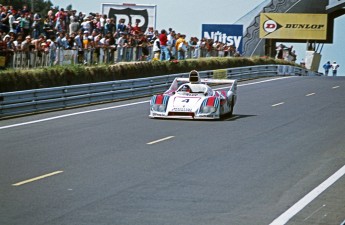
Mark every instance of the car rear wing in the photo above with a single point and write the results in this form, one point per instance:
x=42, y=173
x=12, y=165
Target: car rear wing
x=232, y=83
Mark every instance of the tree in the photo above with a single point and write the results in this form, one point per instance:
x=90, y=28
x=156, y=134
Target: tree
x=40, y=6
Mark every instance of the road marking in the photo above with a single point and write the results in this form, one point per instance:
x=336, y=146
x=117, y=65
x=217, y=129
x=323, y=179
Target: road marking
x=264, y=81
x=335, y=87
x=112, y=107
x=37, y=178
x=298, y=206
x=316, y=211
x=280, y=103
x=71, y=114
x=160, y=140
x=311, y=94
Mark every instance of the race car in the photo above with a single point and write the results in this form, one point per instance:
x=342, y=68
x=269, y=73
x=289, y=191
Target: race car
x=193, y=98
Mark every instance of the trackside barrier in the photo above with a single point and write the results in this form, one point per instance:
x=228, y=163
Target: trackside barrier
x=37, y=100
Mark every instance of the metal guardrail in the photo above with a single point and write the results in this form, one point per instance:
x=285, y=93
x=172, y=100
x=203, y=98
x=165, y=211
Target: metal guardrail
x=37, y=100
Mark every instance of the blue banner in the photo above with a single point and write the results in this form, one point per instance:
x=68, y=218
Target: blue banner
x=230, y=34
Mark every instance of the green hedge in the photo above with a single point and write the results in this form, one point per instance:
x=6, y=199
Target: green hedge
x=16, y=80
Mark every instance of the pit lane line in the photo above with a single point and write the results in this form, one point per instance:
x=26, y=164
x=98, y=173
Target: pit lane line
x=115, y=107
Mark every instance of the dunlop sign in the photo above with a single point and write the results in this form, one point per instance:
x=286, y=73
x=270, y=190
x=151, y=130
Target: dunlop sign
x=293, y=26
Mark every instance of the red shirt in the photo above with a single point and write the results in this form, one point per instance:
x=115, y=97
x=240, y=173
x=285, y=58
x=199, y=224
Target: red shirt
x=163, y=38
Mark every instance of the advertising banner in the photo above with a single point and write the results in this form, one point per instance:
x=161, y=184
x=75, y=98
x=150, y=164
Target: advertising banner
x=230, y=34
x=146, y=14
x=294, y=26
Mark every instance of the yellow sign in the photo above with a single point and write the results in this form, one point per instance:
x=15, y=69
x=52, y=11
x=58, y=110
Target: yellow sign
x=220, y=74
x=293, y=26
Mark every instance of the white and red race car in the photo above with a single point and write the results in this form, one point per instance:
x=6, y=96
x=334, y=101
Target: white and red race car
x=193, y=98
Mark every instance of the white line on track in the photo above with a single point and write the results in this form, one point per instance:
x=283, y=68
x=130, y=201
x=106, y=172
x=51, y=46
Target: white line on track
x=160, y=140
x=310, y=94
x=278, y=104
x=37, y=178
x=298, y=206
x=71, y=114
x=112, y=107
x=335, y=87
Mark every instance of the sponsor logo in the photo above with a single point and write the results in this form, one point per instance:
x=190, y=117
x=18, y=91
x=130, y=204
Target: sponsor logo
x=293, y=26
x=181, y=110
x=158, y=114
x=131, y=15
x=223, y=37
x=209, y=116
x=270, y=26
x=305, y=26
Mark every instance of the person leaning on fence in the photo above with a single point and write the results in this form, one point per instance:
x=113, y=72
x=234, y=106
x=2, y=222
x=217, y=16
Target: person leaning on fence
x=326, y=67
x=25, y=47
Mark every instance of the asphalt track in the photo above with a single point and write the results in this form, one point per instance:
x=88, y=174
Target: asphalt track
x=279, y=159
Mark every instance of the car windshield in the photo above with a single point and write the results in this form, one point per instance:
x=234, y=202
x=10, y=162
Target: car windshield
x=193, y=88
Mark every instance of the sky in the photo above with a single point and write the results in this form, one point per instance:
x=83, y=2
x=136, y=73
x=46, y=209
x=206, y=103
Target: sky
x=187, y=16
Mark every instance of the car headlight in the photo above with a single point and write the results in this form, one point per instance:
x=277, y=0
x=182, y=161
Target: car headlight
x=158, y=108
x=208, y=109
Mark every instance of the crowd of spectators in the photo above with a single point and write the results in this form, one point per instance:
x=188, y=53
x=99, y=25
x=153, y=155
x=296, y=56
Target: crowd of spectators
x=22, y=30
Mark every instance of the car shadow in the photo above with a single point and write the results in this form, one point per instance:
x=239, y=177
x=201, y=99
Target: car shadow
x=234, y=117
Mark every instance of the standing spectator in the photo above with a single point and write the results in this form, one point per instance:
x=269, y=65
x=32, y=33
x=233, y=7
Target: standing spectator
x=326, y=67
x=59, y=25
x=156, y=48
x=11, y=20
x=60, y=46
x=73, y=26
x=61, y=16
x=193, y=46
x=86, y=47
x=150, y=34
x=48, y=26
x=171, y=42
x=129, y=28
x=25, y=9
x=121, y=44
x=86, y=25
x=36, y=25
x=52, y=50
x=25, y=24
x=78, y=42
x=335, y=67
x=144, y=45
x=181, y=47
x=121, y=27
x=163, y=39
x=4, y=23
x=102, y=21
x=108, y=27
x=136, y=29
x=220, y=48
